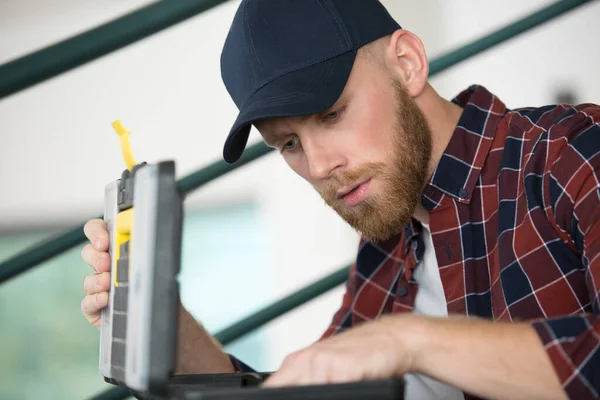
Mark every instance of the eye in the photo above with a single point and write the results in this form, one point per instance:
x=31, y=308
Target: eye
x=333, y=115
x=290, y=144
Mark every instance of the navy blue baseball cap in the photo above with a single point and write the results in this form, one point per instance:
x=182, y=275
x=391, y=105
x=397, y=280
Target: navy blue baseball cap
x=293, y=57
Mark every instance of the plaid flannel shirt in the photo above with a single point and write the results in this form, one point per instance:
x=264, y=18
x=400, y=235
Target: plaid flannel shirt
x=514, y=208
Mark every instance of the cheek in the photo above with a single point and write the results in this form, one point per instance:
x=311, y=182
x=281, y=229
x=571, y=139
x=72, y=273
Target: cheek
x=373, y=130
x=372, y=142
x=298, y=163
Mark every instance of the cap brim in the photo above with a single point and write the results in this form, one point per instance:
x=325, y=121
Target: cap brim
x=303, y=92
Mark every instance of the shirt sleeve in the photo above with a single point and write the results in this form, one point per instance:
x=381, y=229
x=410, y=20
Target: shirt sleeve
x=573, y=342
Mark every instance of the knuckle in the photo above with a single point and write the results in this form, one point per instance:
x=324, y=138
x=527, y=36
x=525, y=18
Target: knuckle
x=104, y=281
x=88, y=228
x=103, y=262
x=318, y=358
x=97, y=257
x=294, y=356
x=301, y=357
x=94, y=222
x=85, y=305
x=89, y=255
x=290, y=359
x=84, y=252
x=90, y=284
x=94, y=228
x=101, y=300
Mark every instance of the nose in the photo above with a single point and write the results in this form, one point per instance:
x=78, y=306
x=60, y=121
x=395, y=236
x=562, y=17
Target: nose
x=322, y=159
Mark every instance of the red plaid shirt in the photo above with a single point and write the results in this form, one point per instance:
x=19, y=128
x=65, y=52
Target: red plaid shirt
x=514, y=208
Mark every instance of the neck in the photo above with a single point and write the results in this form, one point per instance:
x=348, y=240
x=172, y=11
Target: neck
x=421, y=214
x=442, y=117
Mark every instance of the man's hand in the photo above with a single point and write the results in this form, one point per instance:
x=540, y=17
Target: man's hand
x=500, y=360
x=96, y=285
x=373, y=350
x=197, y=352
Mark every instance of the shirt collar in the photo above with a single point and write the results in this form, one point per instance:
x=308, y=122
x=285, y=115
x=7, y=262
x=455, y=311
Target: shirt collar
x=460, y=165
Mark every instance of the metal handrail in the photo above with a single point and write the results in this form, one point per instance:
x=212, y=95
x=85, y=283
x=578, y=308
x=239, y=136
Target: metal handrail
x=71, y=53
x=518, y=27
x=47, y=249
x=51, y=247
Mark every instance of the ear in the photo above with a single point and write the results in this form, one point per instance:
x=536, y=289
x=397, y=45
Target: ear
x=407, y=60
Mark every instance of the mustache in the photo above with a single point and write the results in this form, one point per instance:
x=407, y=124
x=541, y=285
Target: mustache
x=329, y=188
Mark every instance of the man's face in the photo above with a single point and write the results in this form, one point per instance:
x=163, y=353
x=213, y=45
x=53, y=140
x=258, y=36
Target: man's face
x=367, y=156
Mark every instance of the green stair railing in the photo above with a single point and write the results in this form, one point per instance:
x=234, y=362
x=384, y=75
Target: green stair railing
x=32, y=256
x=54, y=60
x=44, y=64
x=51, y=247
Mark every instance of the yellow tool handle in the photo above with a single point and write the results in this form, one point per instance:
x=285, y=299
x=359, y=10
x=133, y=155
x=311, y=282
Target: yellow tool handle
x=125, y=145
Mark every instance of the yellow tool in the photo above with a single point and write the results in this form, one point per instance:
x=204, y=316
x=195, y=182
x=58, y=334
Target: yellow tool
x=124, y=220
x=143, y=212
x=125, y=145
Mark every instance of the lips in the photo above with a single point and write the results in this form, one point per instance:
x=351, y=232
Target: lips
x=353, y=195
x=348, y=189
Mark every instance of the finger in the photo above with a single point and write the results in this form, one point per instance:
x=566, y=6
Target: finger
x=89, y=255
x=96, y=283
x=279, y=379
x=92, y=304
x=102, y=263
x=99, y=261
x=95, y=230
x=286, y=376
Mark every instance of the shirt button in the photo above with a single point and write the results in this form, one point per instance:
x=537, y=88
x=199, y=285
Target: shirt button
x=462, y=193
x=402, y=290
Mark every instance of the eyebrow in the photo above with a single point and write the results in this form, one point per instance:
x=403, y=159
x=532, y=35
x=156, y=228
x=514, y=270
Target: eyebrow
x=270, y=139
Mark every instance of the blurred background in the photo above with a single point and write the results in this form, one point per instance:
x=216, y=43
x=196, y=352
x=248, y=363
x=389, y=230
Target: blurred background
x=251, y=237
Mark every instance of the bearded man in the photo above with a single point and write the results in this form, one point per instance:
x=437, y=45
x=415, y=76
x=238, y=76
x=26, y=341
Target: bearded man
x=478, y=269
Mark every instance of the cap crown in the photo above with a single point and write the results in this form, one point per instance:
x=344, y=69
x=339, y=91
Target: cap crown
x=270, y=38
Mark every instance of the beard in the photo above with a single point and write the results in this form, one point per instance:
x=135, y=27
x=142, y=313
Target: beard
x=401, y=177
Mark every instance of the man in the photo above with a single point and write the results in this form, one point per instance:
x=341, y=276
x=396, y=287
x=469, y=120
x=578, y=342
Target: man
x=478, y=270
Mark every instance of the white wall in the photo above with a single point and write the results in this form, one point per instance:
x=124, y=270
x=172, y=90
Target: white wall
x=57, y=149
x=532, y=68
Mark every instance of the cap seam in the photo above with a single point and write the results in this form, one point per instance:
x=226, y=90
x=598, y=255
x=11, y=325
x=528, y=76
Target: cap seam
x=337, y=31
x=302, y=93
x=296, y=69
x=337, y=19
x=263, y=106
x=299, y=93
x=248, y=38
